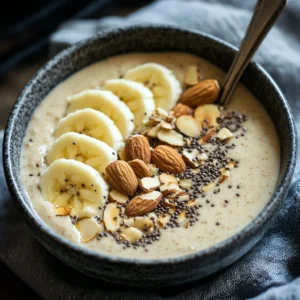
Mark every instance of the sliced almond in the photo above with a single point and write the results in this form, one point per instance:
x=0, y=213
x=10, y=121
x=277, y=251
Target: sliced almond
x=137, y=147
x=171, y=119
x=176, y=194
x=195, y=171
x=159, y=112
x=191, y=203
x=153, y=169
x=204, y=92
x=181, y=192
x=111, y=217
x=170, y=137
x=162, y=221
x=152, y=132
x=172, y=196
x=207, y=136
x=202, y=156
x=140, y=168
x=186, y=183
x=184, y=197
x=169, y=188
x=208, y=187
x=131, y=234
x=190, y=157
x=181, y=217
x=167, y=178
x=153, y=121
x=171, y=210
x=188, y=126
x=88, y=229
x=116, y=196
x=122, y=154
x=152, y=216
x=231, y=165
x=169, y=203
x=224, y=176
x=224, y=134
x=62, y=211
x=141, y=223
x=191, y=76
x=168, y=160
x=143, y=203
x=149, y=184
x=182, y=110
x=207, y=115
x=165, y=125
x=188, y=142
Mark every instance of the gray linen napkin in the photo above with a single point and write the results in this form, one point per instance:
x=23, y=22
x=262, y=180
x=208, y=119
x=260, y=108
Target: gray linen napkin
x=273, y=265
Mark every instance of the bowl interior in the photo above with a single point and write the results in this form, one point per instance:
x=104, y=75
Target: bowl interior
x=130, y=40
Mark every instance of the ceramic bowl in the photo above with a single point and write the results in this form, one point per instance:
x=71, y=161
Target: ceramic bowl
x=139, y=272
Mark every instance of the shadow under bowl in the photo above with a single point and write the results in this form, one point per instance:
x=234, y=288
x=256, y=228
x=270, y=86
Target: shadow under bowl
x=139, y=272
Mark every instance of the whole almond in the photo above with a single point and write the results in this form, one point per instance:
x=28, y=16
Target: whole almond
x=137, y=147
x=140, y=169
x=168, y=160
x=143, y=203
x=182, y=110
x=121, y=176
x=204, y=92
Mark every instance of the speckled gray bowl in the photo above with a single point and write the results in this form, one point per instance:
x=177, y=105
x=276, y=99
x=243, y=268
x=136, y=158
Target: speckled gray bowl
x=139, y=272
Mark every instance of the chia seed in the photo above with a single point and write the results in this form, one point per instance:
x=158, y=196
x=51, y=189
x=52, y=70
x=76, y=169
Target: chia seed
x=208, y=171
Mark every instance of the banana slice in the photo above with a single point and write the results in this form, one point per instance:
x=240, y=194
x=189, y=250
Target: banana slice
x=73, y=184
x=138, y=98
x=160, y=80
x=93, y=123
x=109, y=104
x=83, y=148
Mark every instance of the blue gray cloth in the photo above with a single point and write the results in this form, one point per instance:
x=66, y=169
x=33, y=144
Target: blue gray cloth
x=271, y=269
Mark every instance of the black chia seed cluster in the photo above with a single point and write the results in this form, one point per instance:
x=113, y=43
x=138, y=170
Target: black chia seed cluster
x=185, y=211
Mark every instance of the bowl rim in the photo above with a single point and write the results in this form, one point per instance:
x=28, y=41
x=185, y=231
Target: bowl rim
x=32, y=216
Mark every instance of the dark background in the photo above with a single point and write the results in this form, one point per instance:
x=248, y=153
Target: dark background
x=25, y=27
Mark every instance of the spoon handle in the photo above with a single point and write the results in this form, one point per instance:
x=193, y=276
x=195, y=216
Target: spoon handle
x=265, y=15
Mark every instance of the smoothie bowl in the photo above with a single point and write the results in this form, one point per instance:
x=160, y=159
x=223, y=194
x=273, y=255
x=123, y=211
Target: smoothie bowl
x=129, y=171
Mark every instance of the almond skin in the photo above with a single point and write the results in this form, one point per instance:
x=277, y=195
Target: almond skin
x=121, y=176
x=137, y=147
x=207, y=136
x=204, y=92
x=139, y=206
x=168, y=160
x=140, y=169
x=182, y=110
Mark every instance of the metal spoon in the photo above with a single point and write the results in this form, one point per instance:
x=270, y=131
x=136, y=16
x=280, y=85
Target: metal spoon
x=264, y=17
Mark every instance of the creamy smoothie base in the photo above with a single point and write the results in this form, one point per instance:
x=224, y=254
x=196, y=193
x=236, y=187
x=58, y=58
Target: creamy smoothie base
x=221, y=212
